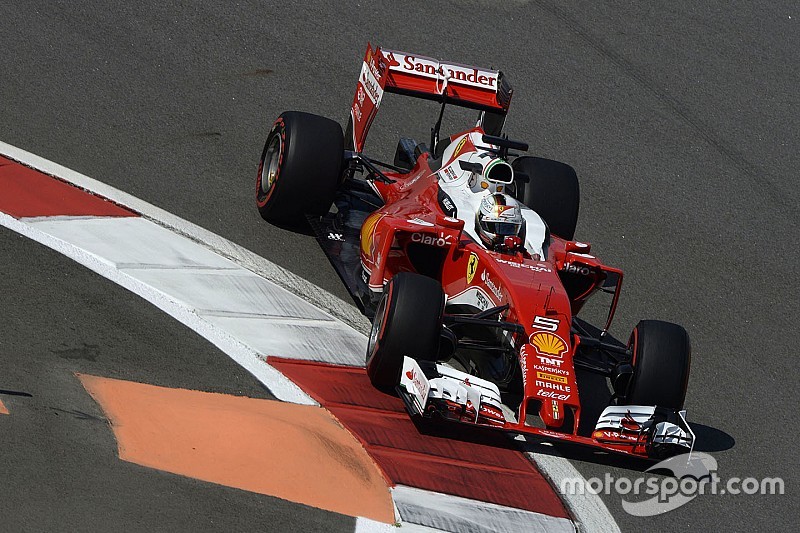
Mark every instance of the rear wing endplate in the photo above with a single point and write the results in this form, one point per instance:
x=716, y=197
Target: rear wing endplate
x=422, y=77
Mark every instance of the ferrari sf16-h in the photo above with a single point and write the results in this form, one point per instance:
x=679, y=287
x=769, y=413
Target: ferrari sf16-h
x=462, y=252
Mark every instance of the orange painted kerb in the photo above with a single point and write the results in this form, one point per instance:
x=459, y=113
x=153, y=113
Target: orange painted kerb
x=295, y=452
x=3, y=410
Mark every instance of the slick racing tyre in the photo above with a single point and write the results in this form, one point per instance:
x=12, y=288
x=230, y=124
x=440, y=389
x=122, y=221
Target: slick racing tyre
x=299, y=168
x=661, y=359
x=408, y=322
x=552, y=191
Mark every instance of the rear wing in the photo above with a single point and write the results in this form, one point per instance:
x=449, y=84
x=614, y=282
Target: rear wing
x=423, y=77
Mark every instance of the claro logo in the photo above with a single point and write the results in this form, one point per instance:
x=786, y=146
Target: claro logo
x=431, y=240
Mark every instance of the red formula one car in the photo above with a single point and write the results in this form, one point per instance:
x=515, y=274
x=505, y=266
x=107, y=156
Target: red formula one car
x=462, y=252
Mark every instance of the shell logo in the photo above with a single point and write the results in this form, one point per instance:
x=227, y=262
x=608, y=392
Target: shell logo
x=548, y=344
x=368, y=232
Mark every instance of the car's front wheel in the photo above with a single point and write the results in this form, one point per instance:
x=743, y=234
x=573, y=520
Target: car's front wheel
x=299, y=169
x=408, y=322
x=661, y=359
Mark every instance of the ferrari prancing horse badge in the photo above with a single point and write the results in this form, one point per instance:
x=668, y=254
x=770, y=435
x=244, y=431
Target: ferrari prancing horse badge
x=472, y=266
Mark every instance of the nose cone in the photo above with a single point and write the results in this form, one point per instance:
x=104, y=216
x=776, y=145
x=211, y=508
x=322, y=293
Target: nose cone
x=552, y=413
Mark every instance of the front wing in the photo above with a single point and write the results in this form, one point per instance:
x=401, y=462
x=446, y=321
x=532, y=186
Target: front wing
x=441, y=391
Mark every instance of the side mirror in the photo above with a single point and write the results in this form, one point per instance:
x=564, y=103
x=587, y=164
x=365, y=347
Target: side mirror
x=455, y=225
x=577, y=246
x=450, y=222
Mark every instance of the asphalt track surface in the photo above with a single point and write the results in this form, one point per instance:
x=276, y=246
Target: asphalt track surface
x=60, y=467
x=681, y=120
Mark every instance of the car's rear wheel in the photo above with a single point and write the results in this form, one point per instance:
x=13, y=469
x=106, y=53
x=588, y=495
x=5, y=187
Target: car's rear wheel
x=408, y=322
x=552, y=191
x=300, y=166
x=661, y=359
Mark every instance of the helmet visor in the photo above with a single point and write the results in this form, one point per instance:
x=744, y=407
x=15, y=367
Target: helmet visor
x=502, y=228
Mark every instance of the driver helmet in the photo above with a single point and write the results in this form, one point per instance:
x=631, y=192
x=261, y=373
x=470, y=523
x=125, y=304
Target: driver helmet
x=499, y=216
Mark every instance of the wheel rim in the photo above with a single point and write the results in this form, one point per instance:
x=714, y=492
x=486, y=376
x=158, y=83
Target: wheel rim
x=272, y=159
x=377, y=327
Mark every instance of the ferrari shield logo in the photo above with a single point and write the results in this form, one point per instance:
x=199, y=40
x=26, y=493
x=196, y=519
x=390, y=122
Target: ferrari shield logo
x=472, y=266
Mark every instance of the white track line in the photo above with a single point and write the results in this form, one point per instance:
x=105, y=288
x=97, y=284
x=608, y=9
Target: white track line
x=589, y=511
x=365, y=525
x=454, y=513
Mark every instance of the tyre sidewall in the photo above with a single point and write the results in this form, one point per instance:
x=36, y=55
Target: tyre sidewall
x=309, y=169
x=412, y=326
x=661, y=362
x=262, y=199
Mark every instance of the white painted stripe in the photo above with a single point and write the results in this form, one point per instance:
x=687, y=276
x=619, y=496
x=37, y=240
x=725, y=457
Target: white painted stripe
x=589, y=511
x=365, y=525
x=59, y=217
x=317, y=296
x=453, y=513
x=310, y=322
x=408, y=527
x=150, y=266
x=130, y=241
x=228, y=296
x=294, y=340
x=249, y=359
